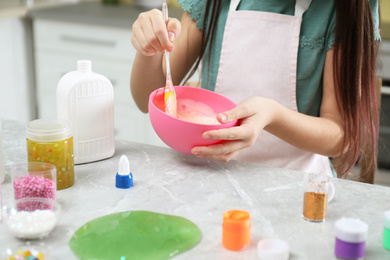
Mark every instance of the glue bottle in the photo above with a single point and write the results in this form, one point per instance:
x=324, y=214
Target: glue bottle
x=86, y=99
x=124, y=178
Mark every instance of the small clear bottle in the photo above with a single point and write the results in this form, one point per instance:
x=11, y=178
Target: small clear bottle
x=351, y=235
x=316, y=187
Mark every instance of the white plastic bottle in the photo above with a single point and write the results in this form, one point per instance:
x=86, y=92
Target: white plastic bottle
x=87, y=100
x=2, y=168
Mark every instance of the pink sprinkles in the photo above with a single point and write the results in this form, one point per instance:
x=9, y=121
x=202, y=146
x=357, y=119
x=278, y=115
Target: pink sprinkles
x=34, y=186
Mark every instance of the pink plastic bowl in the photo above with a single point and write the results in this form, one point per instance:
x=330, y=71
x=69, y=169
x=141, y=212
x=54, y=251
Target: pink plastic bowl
x=183, y=135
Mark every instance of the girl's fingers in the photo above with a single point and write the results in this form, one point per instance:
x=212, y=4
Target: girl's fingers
x=218, y=149
x=160, y=39
x=150, y=33
x=221, y=152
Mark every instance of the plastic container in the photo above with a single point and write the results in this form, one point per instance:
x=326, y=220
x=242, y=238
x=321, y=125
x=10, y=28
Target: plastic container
x=386, y=230
x=236, y=229
x=31, y=218
x=86, y=99
x=351, y=235
x=2, y=170
x=51, y=141
x=316, y=187
x=124, y=178
x=34, y=180
x=273, y=249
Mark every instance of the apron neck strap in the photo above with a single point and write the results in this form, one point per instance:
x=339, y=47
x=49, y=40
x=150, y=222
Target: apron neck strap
x=234, y=5
x=300, y=6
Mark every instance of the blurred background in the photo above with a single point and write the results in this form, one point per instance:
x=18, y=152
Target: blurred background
x=41, y=40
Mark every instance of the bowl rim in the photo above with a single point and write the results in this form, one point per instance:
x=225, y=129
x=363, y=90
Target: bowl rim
x=151, y=103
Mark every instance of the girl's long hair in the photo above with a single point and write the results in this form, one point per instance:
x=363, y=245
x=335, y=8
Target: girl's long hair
x=354, y=58
x=355, y=54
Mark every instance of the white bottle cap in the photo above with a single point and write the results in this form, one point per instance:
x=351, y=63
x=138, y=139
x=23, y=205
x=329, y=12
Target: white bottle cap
x=84, y=66
x=124, y=166
x=387, y=219
x=273, y=249
x=352, y=230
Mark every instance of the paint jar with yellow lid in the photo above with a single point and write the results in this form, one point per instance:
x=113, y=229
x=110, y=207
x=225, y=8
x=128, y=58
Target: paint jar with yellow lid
x=51, y=141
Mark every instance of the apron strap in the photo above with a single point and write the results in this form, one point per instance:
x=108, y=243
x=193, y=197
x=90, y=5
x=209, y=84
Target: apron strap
x=234, y=5
x=300, y=6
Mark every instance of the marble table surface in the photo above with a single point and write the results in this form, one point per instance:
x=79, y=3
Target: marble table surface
x=200, y=190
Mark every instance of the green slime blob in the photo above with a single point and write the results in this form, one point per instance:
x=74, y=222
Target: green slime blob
x=135, y=235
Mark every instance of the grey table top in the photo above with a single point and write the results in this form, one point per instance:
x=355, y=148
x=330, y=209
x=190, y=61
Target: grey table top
x=200, y=190
x=95, y=13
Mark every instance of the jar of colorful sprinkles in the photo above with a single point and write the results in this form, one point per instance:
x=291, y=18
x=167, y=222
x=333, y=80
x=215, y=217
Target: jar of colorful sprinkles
x=51, y=141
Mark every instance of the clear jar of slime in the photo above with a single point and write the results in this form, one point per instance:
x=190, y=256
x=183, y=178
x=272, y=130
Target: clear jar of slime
x=51, y=141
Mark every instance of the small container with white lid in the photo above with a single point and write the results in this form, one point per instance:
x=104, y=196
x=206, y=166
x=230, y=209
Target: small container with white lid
x=386, y=231
x=351, y=235
x=273, y=249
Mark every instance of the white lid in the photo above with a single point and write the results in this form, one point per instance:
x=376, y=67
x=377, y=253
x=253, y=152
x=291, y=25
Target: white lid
x=351, y=230
x=387, y=219
x=124, y=166
x=49, y=130
x=273, y=249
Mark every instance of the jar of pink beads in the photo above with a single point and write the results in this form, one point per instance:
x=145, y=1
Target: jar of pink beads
x=34, y=180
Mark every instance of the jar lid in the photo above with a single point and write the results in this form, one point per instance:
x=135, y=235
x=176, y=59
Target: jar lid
x=48, y=130
x=387, y=219
x=352, y=230
x=273, y=249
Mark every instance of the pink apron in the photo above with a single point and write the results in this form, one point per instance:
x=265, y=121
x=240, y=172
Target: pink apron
x=259, y=58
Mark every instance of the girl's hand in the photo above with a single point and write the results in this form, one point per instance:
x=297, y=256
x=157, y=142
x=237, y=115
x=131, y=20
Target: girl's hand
x=151, y=35
x=253, y=114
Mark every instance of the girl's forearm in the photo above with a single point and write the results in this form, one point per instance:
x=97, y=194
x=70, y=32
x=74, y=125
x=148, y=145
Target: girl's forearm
x=322, y=135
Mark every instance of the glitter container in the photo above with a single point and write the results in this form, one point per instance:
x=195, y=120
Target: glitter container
x=31, y=218
x=34, y=179
x=386, y=230
x=51, y=141
x=236, y=229
x=316, y=188
x=351, y=235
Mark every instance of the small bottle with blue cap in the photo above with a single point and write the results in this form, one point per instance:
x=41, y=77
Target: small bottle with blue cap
x=124, y=178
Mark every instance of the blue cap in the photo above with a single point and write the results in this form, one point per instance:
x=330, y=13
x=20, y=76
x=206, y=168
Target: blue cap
x=124, y=178
x=124, y=181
